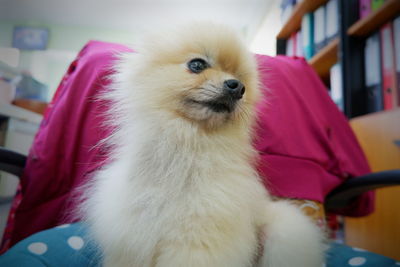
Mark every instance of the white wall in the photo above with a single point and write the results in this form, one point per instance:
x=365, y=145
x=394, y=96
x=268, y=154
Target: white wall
x=48, y=66
x=265, y=39
x=65, y=41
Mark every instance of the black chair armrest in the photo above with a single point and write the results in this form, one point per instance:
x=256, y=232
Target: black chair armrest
x=12, y=162
x=344, y=194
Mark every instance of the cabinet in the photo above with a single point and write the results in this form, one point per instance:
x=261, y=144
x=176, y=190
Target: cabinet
x=17, y=130
x=378, y=133
x=347, y=48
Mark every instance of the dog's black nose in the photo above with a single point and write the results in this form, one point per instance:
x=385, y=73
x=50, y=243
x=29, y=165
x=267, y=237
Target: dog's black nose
x=235, y=88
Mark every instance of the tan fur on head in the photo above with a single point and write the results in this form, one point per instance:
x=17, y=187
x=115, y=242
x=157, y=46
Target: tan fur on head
x=167, y=83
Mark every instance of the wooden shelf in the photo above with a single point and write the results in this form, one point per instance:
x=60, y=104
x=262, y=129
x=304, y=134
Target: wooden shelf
x=364, y=27
x=294, y=22
x=325, y=59
x=32, y=105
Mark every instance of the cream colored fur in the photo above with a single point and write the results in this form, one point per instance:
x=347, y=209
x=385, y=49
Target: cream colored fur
x=181, y=189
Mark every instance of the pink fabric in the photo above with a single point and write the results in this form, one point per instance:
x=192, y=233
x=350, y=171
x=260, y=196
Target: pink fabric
x=64, y=151
x=305, y=143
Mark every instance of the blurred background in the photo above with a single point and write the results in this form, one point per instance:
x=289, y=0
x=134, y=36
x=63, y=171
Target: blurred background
x=68, y=25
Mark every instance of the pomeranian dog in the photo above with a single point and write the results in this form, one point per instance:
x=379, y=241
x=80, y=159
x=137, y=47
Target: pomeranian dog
x=181, y=189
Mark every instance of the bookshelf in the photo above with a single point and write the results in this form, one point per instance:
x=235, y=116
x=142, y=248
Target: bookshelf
x=293, y=23
x=347, y=49
x=378, y=132
x=325, y=59
x=375, y=131
x=375, y=20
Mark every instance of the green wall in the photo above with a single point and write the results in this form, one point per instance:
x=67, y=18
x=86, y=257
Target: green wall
x=67, y=37
x=64, y=43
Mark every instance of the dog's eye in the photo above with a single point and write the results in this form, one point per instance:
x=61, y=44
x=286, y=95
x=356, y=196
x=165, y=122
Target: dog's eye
x=197, y=65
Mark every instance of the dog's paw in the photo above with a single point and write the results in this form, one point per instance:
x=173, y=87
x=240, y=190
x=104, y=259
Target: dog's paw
x=291, y=238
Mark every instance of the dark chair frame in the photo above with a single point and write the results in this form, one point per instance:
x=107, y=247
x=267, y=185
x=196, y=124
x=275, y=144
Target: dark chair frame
x=13, y=163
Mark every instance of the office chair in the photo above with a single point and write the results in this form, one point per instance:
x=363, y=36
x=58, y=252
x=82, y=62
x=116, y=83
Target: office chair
x=307, y=151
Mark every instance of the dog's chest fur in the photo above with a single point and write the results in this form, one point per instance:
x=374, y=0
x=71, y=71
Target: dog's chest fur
x=177, y=188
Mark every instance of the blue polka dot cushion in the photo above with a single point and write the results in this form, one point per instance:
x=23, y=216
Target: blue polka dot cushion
x=68, y=245
x=64, y=245
x=341, y=256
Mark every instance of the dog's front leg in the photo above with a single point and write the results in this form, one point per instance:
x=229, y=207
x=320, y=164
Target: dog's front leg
x=291, y=238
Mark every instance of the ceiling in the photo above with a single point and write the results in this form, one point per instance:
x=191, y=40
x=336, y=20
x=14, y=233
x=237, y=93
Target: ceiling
x=245, y=15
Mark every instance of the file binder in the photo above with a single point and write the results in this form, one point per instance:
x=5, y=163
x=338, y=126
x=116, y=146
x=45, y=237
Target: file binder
x=307, y=29
x=373, y=74
x=388, y=66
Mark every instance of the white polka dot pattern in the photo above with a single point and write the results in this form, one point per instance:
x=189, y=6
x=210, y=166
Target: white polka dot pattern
x=63, y=225
x=357, y=261
x=75, y=242
x=359, y=249
x=37, y=248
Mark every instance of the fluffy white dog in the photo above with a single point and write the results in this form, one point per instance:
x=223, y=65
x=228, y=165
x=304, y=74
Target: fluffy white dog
x=181, y=189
